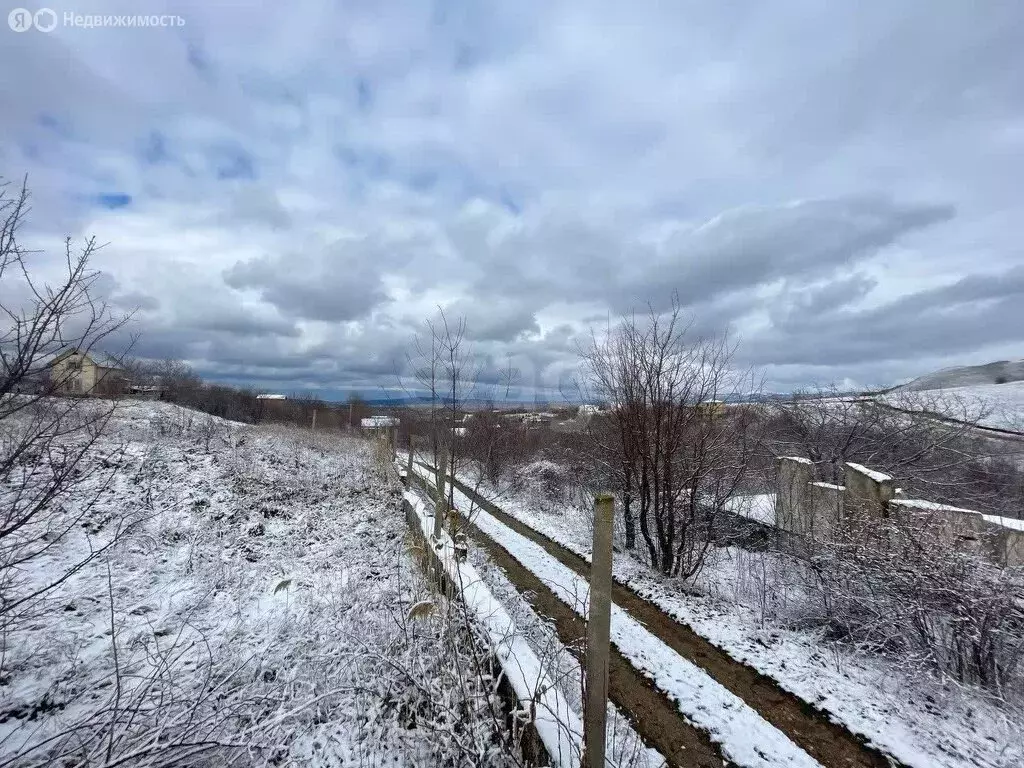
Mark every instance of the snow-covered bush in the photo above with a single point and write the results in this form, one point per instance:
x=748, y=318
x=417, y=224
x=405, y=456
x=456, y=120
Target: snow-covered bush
x=878, y=584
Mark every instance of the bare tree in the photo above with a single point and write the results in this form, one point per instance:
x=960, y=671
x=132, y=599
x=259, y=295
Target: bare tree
x=668, y=445
x=43, y=439
x=445, y=367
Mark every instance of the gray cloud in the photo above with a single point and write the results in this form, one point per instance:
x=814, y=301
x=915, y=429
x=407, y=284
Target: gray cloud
x=338, y=284
x=802, y=240
x=971, y=313
x=498, y=319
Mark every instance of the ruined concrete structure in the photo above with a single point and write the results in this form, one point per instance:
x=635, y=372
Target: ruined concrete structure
x=814, y=510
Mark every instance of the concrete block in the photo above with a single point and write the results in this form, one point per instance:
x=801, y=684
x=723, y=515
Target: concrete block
x=795, y=473
x=1015, y=548
x=1010, y=532
x=825, y=509
x=943, y=526
x=867, y=492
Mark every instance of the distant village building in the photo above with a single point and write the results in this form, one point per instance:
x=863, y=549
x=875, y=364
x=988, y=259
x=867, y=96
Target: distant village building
x=542, y=419
x=74, y=372
x=146, y=391
x=268, y=396
x=379, y=422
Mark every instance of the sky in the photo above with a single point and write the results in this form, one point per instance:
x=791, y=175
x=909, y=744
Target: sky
x=287, y=191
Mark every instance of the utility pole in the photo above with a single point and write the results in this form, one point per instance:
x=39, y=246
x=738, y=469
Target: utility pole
x=595, y=707
x=312, y=427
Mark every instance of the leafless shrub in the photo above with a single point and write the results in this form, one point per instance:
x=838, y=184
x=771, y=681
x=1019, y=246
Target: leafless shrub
x=908, y=589
x=668, y=445
x=45, y=498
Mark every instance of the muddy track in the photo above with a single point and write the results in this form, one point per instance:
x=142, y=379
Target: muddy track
x=653, y=715
x=830, y=744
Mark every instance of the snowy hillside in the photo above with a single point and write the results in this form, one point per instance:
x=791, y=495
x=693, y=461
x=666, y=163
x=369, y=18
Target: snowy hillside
x=259, y=597
x=991, y=405
x=1001, y=372
x=1003, y=404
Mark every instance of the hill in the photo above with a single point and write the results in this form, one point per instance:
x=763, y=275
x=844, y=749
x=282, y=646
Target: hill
x=1000, y=372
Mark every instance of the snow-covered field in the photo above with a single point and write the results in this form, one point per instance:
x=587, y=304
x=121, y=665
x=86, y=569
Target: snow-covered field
x=969, y=376
x=998, y=405
x=922, y=721
x=256, y=612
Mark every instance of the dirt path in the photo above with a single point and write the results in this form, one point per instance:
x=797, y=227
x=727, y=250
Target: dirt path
x=652, y=714
x=830, y=744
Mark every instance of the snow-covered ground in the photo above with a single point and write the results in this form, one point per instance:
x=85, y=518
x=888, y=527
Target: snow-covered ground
x=999, y=405
x=991, y=405
x=969, y=376
x=759, y=507
x=922, y=721
x=259, y=610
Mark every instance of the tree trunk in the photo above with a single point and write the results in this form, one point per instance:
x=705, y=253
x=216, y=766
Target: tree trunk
x=627, y=511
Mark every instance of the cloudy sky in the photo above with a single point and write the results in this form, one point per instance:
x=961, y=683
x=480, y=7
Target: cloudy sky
x=288, y=191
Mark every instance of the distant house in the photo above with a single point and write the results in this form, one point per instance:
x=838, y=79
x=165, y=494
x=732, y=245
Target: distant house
x=379, y=422
x=536, y=420
x=74, y=372
x=154, y=391
x=268, y=396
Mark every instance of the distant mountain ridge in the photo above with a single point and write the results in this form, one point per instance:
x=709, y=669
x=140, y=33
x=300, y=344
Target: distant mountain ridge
x=999, y=372
x=403, y=400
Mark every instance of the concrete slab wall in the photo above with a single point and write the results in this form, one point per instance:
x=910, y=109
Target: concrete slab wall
x=1011, y=532
x=944, y=525
x=867, y=492
x=795, y=474
x=825, y=508
x=814, y=510
x=1015, y=548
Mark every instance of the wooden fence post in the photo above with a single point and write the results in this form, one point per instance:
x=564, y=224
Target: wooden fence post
x=595, y=707
x=440, y=507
